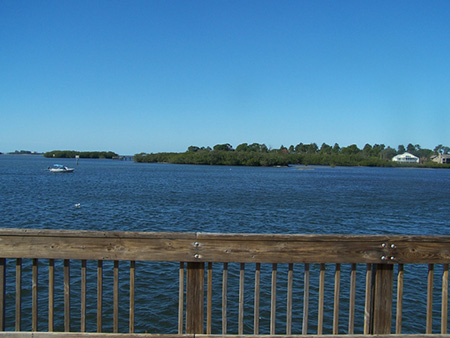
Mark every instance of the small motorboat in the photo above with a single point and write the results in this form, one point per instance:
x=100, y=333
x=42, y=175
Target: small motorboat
x=59, y=168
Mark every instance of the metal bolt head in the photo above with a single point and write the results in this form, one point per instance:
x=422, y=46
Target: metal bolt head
x=383, y=245
x=196, y=244
x=196, y=256
x=383, y=258
x=392, y=246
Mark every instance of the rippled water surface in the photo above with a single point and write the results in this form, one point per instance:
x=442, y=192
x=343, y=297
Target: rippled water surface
x=121, y=195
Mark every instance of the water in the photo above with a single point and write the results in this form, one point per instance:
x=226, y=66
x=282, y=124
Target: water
x=121, y=195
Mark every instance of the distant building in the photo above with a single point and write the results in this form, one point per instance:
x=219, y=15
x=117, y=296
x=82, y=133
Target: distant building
x=406, y=158
x=441, y=158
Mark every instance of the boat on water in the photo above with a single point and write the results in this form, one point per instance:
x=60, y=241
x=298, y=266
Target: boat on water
x=59, y=168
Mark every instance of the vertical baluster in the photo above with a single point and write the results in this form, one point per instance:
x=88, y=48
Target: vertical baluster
x=257, y=288
x=180, y=298
x=273, y=299
x=444, y=307
x=241, y=299
x=195, y=297
x=368, y=300
x=224, y=297
x=337, y=291
x=429, y=327
x=132, y=294
x=209, y=300
x=398, y=317
x=290, y=283
x=83, y=297
x=351, y=310
x=383, y=298
x=99, y=295
x=66, y=295
x=321, y=298
x=116, y=298
x=34, y=296
x=2, y=293
x=51, y=294
x=18, y=294
x=306, y=300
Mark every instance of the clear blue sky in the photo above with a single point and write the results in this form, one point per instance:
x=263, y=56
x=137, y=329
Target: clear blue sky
x=154, y=76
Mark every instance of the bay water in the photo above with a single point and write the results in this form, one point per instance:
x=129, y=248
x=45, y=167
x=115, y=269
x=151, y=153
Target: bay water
x=110, y=195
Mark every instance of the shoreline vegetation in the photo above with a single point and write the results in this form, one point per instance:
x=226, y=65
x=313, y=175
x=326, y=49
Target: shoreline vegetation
x=81, y=154
x=257, y=154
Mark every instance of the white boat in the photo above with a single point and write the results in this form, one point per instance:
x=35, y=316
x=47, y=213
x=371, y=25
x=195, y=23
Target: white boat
x=59, y=168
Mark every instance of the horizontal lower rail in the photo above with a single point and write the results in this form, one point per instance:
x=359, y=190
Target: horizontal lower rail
x=146, y=335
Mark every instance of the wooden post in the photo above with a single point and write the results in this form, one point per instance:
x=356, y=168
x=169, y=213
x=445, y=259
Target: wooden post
x=195, y=289
x=382, y=298
x=2, y=293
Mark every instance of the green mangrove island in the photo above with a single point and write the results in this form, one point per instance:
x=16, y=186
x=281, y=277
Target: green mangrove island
x=256, y=154
x=81, y=154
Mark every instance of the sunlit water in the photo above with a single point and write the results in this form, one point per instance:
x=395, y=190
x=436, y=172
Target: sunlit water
x=120, y=195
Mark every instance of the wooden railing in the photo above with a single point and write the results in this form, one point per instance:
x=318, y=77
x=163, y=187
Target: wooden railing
x=214, y=273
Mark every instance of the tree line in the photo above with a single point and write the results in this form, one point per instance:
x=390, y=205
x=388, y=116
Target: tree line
x=81, y=154
x=257, y=154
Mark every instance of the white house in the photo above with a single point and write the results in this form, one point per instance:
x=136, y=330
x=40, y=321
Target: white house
x=406, y=158
x=441, y=158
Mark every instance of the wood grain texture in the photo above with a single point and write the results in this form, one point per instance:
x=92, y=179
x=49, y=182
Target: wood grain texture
x=209, y=247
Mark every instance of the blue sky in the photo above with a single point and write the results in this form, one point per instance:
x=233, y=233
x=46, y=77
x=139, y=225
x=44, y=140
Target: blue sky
x=154, y=76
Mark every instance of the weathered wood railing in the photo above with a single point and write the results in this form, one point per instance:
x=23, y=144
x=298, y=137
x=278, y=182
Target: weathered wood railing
x=203, y=297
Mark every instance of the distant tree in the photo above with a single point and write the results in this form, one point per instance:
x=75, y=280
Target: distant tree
x=193, y=149
x=388, y=153
x=410, y=148
x=352, y=149
x=401, y=149
x=242, y=147
x=325, y=149
x=224, y=147
x=336, y=148
x=367, y=150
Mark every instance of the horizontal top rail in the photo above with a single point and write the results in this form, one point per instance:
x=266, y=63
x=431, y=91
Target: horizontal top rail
x=214, y=247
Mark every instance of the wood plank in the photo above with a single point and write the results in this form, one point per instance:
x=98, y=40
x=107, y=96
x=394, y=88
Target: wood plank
x=352, y=300
x=337, y=292
x=399, y=316
x=444, y=303
x=321, y=299
x=149, y=335
x=18, y=320
x=257, y=295
x=382, y=303
x=83, y=297
x=224, y=298
x=2, y=293
x=430, y=278
x=51, y=294
x=67, y=295
x=305, y=301
x=195, y=288
x=273, y=299
x=99, y=295
x=34, y=296
x=368, y=300
x=204, y=247
x=209, y=299
x=116, y=297
x=180, y=298
x=132, y=299
x=241, y=299
x=290, y=283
